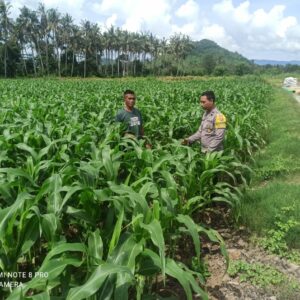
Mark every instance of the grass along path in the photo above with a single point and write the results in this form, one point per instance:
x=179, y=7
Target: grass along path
x=274, y=198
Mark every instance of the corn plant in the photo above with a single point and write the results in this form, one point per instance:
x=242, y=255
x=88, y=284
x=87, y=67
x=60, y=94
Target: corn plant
x=101, y=215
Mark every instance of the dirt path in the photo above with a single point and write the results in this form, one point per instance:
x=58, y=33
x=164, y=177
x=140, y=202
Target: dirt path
x=223, y=287
x=297, y=97
x=295, y=91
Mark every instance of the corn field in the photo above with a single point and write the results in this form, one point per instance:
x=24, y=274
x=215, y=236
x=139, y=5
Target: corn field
x=88, y=214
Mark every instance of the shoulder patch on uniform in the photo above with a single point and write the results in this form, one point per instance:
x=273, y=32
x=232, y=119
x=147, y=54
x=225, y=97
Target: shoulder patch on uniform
x=220, y=121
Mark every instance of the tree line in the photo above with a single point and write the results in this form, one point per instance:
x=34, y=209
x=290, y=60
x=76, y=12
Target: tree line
x=44, y=42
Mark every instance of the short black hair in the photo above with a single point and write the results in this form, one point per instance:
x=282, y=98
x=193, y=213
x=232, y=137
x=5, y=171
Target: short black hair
x=210, y=95
x=128, y=92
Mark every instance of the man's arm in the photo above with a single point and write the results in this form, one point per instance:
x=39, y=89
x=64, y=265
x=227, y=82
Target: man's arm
x=220, y=128
x=118, y=117
x=195, y=137
x=142, y=132
x=147, y=144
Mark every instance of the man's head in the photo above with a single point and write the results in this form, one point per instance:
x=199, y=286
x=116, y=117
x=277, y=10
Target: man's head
x=129, y=99
x=207, y=100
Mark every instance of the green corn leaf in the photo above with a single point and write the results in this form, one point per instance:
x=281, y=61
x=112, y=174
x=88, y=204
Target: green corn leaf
x=157, y=164
x=17, y=173
x=135, y=199
x=80, y=214
x=71, y=190
x=117, y=232
x=54, y=199
x=30, y=234
x=95, y=281
x=108, y=164
x=192, y=229
x=64, y=247
x=51, y=270
x=157, y=237
x=175, y=271
x=193, y=204
x=27, y=148
x=156, y=210
x=179, y=272
x=169, y=179
x=50, y=224
x=125, y=254
x=6, y=214
x=41, y=296
x=95, y=247
x=214, y=236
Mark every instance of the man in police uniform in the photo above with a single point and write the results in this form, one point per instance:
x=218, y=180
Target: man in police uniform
x=212, y=128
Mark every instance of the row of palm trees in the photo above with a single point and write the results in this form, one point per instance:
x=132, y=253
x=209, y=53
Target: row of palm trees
x=44, y=42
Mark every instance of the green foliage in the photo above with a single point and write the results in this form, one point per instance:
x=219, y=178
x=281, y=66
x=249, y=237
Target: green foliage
x=103, y=215
x=260, y=275
x=275, y=240
x=278, y=166
x=261, y=205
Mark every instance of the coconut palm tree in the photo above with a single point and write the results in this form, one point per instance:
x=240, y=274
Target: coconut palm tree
x=66, y=31
x=6, y=26
x=53, y=17
x=44, y=29
x=27, y=26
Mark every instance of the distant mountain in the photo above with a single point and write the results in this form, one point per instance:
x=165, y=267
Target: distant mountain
x=262, y=62
x=222, y=55
x=207, y=57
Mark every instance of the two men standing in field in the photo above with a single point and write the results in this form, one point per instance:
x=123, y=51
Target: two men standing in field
x=211, y=132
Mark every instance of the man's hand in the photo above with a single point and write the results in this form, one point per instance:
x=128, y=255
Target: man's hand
x=129, y=135
x=185, y=142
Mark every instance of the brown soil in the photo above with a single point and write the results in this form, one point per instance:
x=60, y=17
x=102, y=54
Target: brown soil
x=221, y=286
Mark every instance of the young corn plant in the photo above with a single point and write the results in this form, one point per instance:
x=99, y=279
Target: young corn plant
x=101, y=215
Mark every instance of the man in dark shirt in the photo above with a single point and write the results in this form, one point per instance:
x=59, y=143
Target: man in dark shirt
x=131, y=116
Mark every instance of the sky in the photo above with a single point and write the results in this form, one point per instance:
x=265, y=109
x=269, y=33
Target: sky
x=265, y=29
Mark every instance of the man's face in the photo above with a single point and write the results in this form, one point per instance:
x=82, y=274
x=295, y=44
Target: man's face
x=206, y=104
x=129, y=100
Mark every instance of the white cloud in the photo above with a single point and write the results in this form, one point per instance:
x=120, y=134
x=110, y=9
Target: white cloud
x=133, y=24
x=108, y=22
x=111, y=21
x=190, y=29
x=189, y=10
x=240, y=14
x=218, y=34
x=259, y=29
x=135, y=15
x=261, y=18
x=72, y=7
x=146, y=10
x=224, y=6
x=284, y=25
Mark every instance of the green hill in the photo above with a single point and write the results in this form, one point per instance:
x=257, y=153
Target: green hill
x=208, y=57
x=204, y=47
